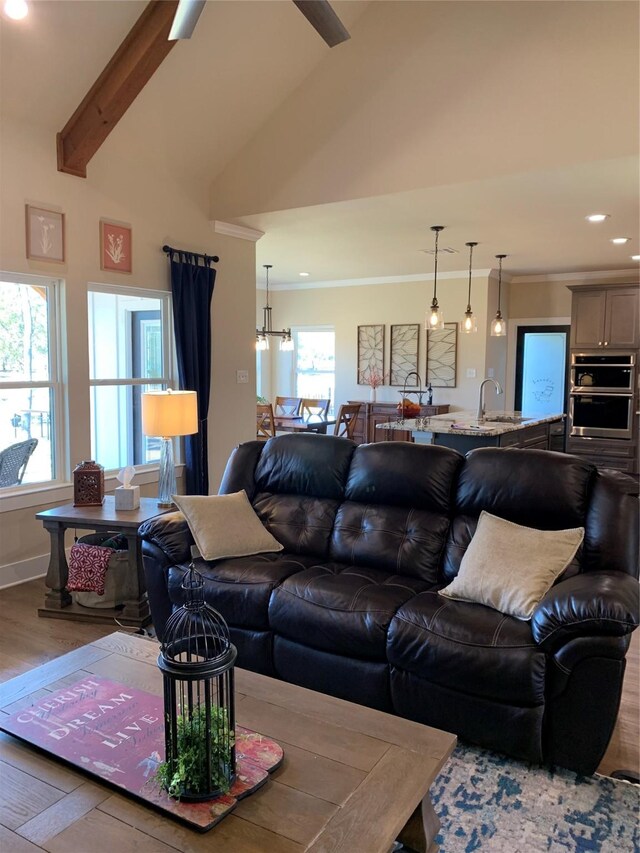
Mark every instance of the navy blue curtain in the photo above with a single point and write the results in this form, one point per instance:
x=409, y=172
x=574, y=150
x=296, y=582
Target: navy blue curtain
x=192, y=282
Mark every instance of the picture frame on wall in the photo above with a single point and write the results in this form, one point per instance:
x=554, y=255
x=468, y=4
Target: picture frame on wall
x=370, y=352
x=442, y=356
x=405, y=340
x=116, y=246
x=45, y=234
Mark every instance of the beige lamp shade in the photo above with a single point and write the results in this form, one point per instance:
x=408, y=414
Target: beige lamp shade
x=169, y=413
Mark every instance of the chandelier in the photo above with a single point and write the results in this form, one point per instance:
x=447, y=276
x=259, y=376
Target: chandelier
x=262, y=335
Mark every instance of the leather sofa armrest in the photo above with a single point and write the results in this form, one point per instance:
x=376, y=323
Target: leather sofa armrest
x=587, y=605
x=170, y=533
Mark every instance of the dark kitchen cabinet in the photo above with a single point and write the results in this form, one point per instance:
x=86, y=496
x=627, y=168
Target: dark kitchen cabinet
x=372, y=414
x=605, y=317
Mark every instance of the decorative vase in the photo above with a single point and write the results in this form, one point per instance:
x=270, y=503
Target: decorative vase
x=372, y=395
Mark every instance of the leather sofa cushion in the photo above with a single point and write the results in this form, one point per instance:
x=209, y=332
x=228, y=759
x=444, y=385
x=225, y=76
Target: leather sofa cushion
x=342, y=609
x=312, y=465
x=404, y=474
x=468, y=647
x=551, y=493
x=240, y=588
x=508, y=483
x=390, y=538
x=302, y=524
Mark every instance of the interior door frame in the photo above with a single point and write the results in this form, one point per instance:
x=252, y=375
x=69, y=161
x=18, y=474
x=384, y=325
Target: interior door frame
x=521, y=332
x=514, y=323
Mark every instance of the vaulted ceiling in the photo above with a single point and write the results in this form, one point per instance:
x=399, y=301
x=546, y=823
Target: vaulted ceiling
x=507, y=122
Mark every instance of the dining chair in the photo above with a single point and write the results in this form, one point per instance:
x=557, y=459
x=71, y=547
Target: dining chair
x=13, y=462
x=265, y=424
x=287, y=405
x=346, y=422
x=310, y=406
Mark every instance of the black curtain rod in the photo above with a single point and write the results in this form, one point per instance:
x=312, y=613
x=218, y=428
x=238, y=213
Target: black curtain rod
x=169, y=250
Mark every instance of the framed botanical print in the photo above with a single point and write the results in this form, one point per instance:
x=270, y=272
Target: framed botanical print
x=404, y=354
x=370, y=353
x=115, y=246
x=441, y=356
x=45, y=234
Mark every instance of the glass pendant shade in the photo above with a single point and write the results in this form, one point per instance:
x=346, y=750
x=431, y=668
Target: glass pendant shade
x=469, y=324
x=435, y=318
x=286, y=344
x=499, y=325
x=262, y=342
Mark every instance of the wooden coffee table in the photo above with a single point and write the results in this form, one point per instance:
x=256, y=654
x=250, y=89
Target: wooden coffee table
x=353, y=779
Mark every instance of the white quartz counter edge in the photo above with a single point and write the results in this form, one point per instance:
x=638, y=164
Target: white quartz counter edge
x=443, y=424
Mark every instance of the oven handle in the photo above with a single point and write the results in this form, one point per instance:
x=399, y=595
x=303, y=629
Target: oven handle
x=594, y=391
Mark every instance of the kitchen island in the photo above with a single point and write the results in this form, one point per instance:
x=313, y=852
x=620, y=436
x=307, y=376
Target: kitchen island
x=463, y=432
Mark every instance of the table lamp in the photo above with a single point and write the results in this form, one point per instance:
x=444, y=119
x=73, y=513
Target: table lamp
x=168, y=414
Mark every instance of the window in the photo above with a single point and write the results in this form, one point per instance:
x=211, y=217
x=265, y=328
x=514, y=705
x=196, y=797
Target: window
x=30, y=391
x=129, y=352
x=315, y=364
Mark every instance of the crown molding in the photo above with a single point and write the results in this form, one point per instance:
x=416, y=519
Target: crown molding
x=239, y=231
x=381, y=279
x=595, y=276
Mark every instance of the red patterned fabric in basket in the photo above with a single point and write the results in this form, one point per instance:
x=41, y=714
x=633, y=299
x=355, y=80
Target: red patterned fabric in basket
x=87, y=567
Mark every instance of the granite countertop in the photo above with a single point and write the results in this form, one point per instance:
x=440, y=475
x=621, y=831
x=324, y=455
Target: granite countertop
x=466, y=423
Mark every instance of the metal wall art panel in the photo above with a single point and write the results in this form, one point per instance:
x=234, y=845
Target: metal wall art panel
x=441, y=356
x=404, y=353
x=370, y=352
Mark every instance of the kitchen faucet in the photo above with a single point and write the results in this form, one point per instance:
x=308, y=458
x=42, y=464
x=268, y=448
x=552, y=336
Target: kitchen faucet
x=480, y=415
x=419, y=392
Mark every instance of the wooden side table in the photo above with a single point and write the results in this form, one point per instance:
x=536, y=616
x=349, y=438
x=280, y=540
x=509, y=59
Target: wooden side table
x=58, y=603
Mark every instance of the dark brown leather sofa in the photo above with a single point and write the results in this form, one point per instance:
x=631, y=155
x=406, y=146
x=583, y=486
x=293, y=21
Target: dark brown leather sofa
x=350, y=607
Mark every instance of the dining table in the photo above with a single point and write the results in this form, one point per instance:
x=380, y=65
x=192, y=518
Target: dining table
x=304, y=423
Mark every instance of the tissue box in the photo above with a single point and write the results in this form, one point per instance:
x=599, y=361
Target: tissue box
x=127, y=498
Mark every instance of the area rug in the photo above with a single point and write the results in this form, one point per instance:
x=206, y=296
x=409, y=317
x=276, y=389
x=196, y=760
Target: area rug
x=491, y=803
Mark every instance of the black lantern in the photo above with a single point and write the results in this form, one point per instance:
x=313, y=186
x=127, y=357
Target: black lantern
x=196, y=659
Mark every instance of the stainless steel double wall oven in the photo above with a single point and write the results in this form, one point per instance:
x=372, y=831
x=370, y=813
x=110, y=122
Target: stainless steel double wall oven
x=602, y=399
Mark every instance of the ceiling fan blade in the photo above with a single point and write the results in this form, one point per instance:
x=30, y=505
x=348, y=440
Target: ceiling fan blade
x=324, y=20
x=185, y=19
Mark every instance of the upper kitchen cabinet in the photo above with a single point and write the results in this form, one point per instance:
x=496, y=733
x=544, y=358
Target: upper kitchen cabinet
x=605, y=316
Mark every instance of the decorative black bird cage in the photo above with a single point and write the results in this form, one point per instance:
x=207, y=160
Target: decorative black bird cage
x=196, y=659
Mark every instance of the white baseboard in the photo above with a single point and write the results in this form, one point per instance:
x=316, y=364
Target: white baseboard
x=25, y=570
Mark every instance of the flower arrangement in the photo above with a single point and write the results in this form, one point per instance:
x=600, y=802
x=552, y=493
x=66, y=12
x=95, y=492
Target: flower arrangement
x=374, y=379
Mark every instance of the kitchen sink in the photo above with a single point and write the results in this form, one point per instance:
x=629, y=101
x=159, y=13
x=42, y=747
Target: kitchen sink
x=506, y=419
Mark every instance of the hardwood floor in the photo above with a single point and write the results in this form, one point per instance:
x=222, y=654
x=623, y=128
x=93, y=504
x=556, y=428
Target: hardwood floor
x=27, y=641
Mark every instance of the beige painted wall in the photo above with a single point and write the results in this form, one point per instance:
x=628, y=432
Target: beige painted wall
x=400, y=125
x=345, y=308
x=553, y=298
x=161, y=210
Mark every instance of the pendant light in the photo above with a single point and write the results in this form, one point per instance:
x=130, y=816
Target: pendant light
x=435, y=319
x=469, y=324
x=262, y=335
x=498, y=325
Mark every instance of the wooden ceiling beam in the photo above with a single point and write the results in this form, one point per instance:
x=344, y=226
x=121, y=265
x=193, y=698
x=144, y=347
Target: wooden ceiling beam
x=124, y=77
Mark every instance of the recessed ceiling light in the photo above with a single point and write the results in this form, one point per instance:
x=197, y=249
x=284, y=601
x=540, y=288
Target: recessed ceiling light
x=620, y=240
x=304, y=273
x=635, y=257
x=597, y=217
x=16, y=9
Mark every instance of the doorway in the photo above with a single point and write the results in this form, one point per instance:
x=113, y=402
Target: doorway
x=542, y=369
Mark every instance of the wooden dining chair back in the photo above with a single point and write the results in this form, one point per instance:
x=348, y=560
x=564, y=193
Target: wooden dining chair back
x=287, y=405
x=310, y=406
x=346, y=422
x=265, y=423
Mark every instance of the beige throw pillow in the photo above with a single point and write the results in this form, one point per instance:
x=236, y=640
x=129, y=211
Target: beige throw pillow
x=225, y=526
x=510, y=567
